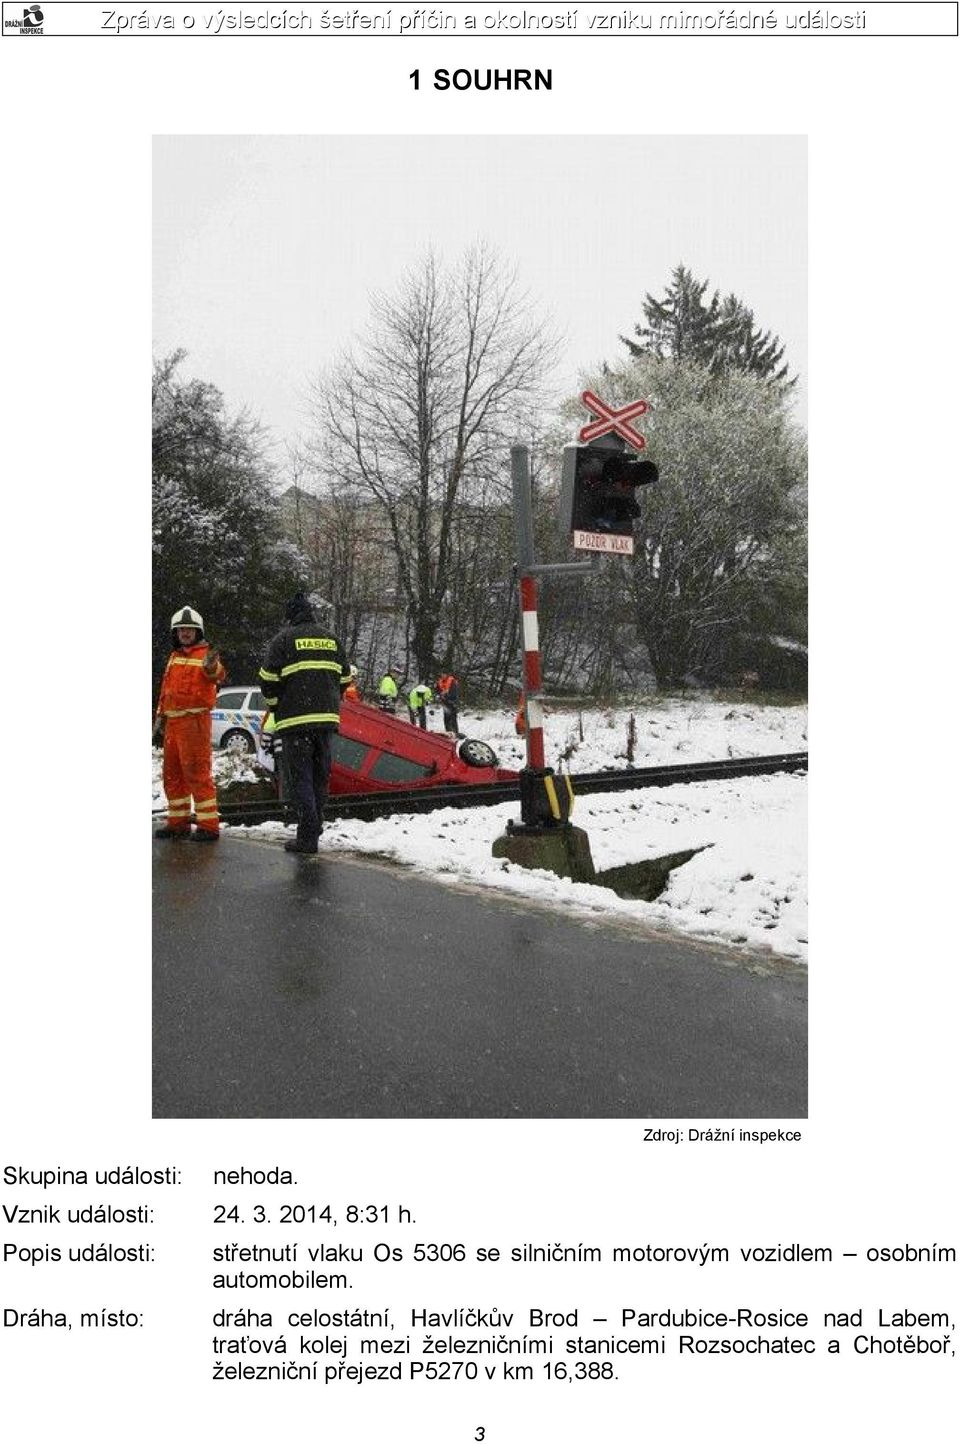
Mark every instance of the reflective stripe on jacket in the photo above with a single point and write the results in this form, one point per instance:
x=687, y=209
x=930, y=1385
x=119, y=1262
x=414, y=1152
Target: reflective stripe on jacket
x=303, y=676
x=186, y=686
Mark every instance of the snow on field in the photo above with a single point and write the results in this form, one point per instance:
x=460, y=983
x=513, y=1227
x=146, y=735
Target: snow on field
x=667, y=731
x=748, y=886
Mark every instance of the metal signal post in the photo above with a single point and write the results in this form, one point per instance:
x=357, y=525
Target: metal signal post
x=602, y=488
x=540, y=802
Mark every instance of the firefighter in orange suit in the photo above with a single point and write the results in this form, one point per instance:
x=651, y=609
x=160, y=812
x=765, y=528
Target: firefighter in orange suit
x=187, y=694
x=352, y=689
x=449, y=691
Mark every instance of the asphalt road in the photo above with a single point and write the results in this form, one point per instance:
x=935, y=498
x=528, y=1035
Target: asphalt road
x=290, y=987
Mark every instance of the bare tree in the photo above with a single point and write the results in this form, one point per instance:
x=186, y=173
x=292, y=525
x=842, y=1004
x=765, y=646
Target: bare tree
x=418, y=419
x=350, y=562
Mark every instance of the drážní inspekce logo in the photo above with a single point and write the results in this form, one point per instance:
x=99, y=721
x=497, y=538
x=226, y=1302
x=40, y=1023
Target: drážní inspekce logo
x=31, y=24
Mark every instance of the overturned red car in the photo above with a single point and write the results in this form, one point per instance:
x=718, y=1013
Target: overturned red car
x=375, y=751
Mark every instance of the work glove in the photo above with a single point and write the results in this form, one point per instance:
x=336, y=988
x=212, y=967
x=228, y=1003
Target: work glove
x=211, y=661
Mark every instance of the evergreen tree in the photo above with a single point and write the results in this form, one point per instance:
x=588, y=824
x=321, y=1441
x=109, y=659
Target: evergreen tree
x=744, y=347
x=719, y=335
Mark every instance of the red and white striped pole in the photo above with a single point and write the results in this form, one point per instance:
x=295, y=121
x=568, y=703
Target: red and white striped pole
x=532, y=675
x=542, y=803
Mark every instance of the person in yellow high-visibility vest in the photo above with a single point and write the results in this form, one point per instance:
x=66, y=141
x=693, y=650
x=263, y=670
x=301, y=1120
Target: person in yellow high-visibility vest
x=417, y=699
x=388, y=691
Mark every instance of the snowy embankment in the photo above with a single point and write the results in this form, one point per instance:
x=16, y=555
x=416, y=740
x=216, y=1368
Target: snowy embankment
x=749, y=885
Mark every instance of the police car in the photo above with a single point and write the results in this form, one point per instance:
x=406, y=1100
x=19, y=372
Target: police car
x=236, y=719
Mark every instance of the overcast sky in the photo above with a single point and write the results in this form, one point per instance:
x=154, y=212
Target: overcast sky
x=267, y=248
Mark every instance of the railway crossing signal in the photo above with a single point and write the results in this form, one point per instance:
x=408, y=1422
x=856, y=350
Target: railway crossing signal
x=598, y=494
x=598, y=497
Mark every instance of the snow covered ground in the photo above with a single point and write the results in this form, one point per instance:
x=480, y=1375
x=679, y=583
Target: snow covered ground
x=749, y=886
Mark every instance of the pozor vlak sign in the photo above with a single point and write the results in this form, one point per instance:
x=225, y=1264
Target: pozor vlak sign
x=600, y=479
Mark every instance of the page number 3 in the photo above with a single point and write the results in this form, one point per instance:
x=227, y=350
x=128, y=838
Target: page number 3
x=480, y=1433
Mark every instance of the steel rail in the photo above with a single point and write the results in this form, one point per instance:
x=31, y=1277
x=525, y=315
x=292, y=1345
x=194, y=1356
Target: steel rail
x=383, y=804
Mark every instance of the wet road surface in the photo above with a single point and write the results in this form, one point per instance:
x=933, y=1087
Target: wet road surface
x=290, y=987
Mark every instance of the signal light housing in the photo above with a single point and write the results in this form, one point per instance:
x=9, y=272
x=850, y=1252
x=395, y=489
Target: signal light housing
x=598, y=496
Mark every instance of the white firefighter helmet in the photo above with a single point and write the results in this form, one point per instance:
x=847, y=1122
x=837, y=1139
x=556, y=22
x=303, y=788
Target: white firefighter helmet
x=186, y=617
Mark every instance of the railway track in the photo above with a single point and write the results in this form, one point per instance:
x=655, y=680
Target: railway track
x=379, y=804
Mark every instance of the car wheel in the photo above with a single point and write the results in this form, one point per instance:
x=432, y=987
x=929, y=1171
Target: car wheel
x=477, y=754
x=237, y=741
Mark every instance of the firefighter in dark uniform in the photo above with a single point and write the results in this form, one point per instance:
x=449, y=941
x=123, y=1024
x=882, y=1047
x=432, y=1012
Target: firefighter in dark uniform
x=302, y=678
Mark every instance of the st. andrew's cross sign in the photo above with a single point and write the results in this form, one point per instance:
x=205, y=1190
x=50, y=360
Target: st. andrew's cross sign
x=598, y=495
x=617, y=422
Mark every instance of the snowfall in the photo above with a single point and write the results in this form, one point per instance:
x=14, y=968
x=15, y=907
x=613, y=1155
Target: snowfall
x=747, y=889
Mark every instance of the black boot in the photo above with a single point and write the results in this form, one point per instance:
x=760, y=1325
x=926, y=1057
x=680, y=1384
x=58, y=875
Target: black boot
x=202, y=835
x=294, y=845
x=172, y=832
